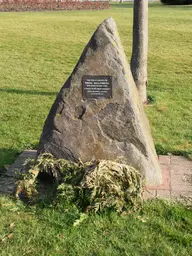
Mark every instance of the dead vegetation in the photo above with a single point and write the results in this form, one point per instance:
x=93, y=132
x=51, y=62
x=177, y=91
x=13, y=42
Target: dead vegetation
x=91, y=186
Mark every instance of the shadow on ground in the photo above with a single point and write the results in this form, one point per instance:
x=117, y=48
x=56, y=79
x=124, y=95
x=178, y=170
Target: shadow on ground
x=30, y=92
x=7, y=157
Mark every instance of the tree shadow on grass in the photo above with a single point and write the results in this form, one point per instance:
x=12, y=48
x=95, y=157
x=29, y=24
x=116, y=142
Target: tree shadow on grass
x=30, y=92
x=7, y=157
x=181, y=7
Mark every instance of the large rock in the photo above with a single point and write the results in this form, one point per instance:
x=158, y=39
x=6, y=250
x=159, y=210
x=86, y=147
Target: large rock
x=106, y=128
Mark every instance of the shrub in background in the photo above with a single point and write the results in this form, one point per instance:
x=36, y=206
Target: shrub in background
x=38, y=5
x=176, y=2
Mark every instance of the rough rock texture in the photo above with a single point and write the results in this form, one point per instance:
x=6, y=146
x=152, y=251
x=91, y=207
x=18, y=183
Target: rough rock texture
x=116, y=128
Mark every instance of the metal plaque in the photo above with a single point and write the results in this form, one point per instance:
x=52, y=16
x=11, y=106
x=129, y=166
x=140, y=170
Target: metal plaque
x=97, y=87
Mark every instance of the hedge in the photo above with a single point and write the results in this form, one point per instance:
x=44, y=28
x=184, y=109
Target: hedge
x=38, y=5
x=176, y=2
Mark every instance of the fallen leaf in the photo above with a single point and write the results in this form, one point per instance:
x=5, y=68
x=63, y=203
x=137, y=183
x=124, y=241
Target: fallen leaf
x=12, y=225
x=3, y=239
x=10, y=235
x=77, y=222
x=106, y=232
x=126, y=213
x=141, y=219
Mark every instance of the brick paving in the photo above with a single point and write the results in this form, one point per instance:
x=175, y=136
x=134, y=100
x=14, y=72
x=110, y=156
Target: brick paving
x=177, y=179
x=176, y=173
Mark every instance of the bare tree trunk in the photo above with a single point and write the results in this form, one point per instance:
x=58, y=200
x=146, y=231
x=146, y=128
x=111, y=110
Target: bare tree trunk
x=140, y=47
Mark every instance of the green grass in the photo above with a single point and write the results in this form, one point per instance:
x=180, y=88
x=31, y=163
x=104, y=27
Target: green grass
x=162, y=229
x=39, y=51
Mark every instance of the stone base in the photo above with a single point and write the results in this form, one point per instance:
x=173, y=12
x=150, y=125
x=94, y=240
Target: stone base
x=176, y=170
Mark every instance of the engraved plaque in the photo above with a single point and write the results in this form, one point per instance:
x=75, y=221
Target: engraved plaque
x=97, y=87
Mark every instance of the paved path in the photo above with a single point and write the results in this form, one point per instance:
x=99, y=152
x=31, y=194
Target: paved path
x=176, y=170
x=177, y=178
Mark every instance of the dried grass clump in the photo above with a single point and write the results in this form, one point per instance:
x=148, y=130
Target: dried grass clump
x=113, y=185
x=91, y=186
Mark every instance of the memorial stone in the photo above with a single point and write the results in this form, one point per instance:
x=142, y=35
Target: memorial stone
x=98, y=113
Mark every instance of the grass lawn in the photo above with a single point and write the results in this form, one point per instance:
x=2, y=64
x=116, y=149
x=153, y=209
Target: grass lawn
x=162, y=229
x=38, y=51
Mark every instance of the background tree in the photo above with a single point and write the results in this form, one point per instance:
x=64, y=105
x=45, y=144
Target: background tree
x=140, y=47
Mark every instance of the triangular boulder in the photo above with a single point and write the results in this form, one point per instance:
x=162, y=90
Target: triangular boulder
x=85, y=123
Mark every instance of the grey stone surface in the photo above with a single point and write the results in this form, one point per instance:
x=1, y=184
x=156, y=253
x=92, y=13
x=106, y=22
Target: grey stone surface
x=116, y=128
x=7, y=180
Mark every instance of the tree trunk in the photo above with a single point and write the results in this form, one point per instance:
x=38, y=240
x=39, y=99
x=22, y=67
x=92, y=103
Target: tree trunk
x=140, y=47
